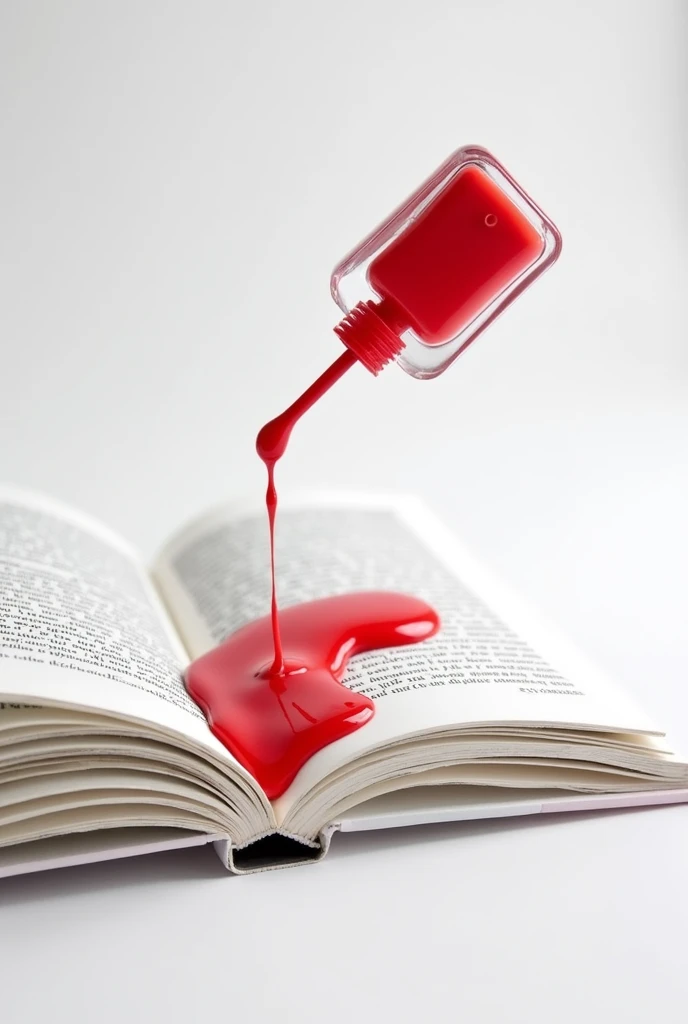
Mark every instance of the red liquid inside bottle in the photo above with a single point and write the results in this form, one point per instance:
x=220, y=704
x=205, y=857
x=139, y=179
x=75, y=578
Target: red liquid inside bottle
x=436, y=287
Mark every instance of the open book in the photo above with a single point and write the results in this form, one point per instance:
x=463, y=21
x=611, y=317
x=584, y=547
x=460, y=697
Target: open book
x=103, y=753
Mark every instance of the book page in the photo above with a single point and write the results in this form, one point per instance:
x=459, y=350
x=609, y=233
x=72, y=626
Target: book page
x=490, y=664
x=82, y=626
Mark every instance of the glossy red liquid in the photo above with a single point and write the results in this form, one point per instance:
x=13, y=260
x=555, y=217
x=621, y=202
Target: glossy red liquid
x=454, y=259
x=274, y=722
x=272, y=693
x=271, y=445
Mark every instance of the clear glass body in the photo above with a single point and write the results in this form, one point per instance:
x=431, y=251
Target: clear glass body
x=449, y=260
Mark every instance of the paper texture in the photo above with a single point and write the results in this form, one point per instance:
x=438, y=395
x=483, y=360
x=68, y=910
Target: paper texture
x=81, y=624
x=110, y=736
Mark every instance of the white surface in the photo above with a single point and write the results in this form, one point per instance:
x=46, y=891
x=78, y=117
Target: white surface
x=177, y=181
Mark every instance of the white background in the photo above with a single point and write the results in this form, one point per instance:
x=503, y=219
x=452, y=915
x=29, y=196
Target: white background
x=177, y=181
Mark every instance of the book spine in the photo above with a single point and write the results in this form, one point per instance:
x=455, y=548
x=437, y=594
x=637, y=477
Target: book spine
x=276, y=849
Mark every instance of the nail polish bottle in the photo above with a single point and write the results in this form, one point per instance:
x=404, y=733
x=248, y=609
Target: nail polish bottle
x=422, y=286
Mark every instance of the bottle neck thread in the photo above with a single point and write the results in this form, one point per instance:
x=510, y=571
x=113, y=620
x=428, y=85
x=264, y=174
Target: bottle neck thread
x=369, y=337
